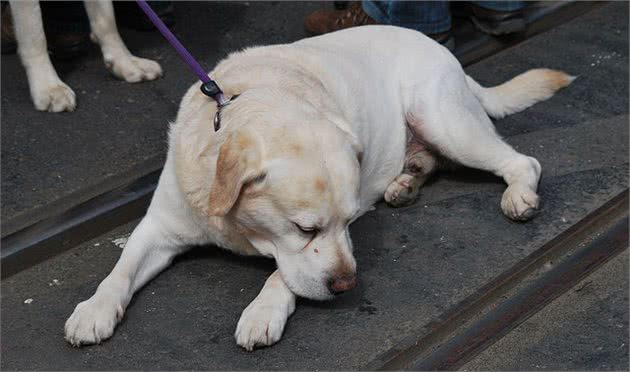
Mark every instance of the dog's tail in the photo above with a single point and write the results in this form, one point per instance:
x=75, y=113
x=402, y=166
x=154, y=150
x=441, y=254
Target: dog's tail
x=521, y=92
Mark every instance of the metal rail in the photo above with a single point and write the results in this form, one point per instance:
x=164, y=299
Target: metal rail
x=516, y=294
x=87, y=220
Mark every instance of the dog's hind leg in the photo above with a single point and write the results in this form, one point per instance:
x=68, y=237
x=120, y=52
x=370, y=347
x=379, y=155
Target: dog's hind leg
x=456, y=125
x=420, y=164
x=116, y=56
x=48, y=92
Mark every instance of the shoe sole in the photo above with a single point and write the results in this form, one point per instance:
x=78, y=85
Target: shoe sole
x=502, y=28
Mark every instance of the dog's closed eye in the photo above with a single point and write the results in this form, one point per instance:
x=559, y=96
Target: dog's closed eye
x=306, y=229
x=258, y=179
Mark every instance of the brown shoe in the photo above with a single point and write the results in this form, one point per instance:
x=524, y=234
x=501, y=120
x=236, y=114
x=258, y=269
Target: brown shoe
x=325, y=21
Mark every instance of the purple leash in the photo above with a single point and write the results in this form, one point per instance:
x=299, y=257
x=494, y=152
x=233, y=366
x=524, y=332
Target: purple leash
x=208, y=87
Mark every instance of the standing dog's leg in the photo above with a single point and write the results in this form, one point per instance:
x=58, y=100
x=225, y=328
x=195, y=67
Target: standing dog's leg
x=48, y=92
x=458, y=127
x=262, y=322
x=116, y=56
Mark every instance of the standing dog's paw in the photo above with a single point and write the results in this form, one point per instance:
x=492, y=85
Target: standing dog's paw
x=262, y=323
x=92, y=321
x=519, y=202
x=133, y=69
x=53, y=97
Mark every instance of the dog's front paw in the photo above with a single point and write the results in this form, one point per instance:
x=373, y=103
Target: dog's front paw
x=53, y=97
x=262, y=323
x=519, y=202
x=133, y=69
x=93, y=321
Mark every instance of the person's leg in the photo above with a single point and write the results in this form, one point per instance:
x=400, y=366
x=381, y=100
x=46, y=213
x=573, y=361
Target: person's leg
x=377, y=10
x=429, y=17
x=433, y=18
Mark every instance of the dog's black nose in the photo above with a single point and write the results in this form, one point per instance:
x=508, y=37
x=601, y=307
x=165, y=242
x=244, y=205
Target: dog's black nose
x=337, y=285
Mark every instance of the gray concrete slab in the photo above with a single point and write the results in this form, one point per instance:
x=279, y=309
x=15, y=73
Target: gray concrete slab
x=414, y=263
x=585, y=329
x=118, y=132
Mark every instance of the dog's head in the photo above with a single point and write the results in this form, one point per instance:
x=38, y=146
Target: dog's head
x=289, y=179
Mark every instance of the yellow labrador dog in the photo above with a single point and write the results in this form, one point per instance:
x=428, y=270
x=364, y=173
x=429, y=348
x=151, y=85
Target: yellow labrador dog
x=48, y=92
x=318, y=134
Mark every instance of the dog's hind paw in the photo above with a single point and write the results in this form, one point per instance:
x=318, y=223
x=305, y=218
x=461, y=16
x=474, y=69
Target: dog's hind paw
x=403, y=191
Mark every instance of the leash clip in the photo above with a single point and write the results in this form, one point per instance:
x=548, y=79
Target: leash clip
x=221, y=103
x=212, y=90
x=217, y=121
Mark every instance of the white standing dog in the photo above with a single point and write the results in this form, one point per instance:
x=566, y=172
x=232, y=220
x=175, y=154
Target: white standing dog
x=318, y=134
x=48, y=92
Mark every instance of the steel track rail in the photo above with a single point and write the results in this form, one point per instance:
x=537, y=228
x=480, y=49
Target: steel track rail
x=515, y=295
x=87, y=220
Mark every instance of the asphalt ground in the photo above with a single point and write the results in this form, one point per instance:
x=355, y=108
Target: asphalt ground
x=414, y=263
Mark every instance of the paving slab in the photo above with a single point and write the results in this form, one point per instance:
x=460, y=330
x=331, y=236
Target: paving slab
x=414, y=263
x=585, y=329
x=118, y=131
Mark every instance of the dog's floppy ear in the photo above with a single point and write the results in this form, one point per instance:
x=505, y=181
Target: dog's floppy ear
x=239, y=161
x=356, y=146
x=354, y=141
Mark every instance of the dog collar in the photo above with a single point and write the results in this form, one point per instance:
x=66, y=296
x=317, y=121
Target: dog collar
x=217, y=115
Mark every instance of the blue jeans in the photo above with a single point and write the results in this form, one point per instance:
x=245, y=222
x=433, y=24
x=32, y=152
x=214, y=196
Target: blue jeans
x=429, y=17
